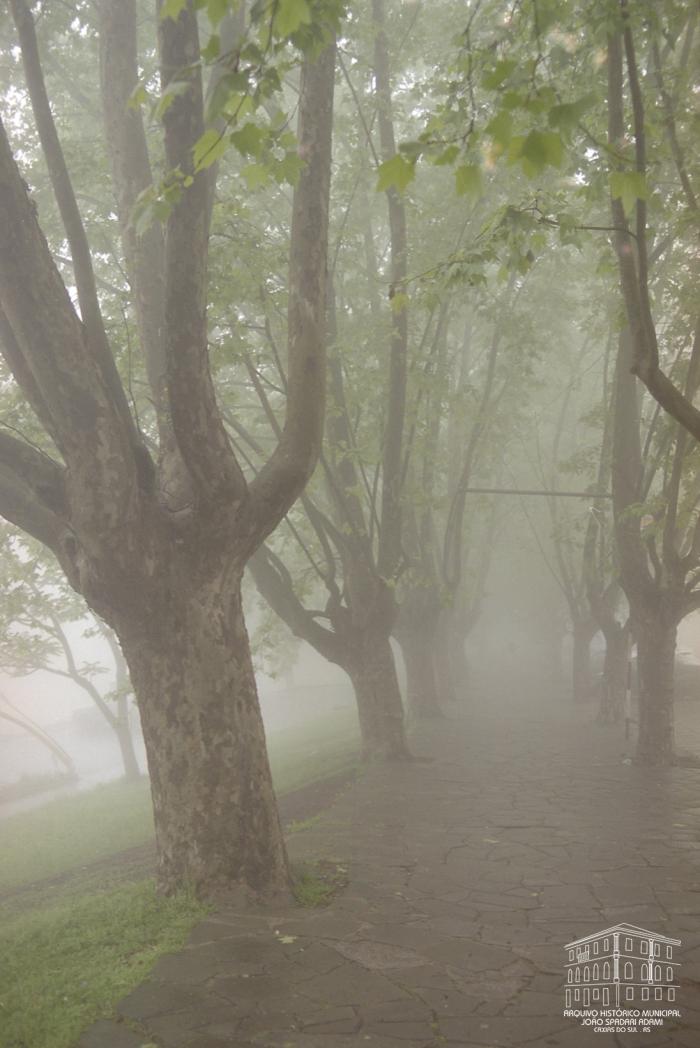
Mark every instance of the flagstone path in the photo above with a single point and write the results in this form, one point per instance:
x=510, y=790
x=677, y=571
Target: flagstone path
x=467, y=873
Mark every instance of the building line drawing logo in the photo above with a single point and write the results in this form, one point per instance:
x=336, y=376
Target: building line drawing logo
x=623, y=966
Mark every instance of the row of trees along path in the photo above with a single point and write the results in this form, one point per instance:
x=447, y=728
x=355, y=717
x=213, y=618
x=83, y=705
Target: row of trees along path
x=154, y=522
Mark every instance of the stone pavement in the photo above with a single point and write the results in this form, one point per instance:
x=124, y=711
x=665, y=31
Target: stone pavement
x=467, y=875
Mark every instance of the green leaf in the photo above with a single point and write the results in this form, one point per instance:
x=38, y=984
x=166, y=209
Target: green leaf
x=174, y=89
x=565, y=117
x=172, y=9
x=216, y=9
x=537, y=150
x=249, y=140
x=448, y=156
x=399, y=301
x=501, y=128
x=289, y=169
x=500, y=72
x=137, y=97
x=291, y=16
x=628, y=186
x=512, y=100
x=255, y=175
x=212, y=49
x=396, y=173
x=468, y=180
x=208, y=149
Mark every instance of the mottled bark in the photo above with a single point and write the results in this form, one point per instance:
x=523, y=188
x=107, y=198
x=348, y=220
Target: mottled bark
x=216, y=820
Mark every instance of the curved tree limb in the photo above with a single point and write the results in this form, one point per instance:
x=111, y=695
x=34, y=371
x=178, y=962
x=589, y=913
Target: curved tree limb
x=70, y=214
x=284, y=475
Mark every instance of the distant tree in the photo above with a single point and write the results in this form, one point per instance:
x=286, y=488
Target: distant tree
x=36, y=612
x=9, y=713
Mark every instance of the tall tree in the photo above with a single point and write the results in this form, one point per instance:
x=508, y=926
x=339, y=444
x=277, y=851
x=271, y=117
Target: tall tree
x=161, y=559
x=650, y=79
x=359, y=527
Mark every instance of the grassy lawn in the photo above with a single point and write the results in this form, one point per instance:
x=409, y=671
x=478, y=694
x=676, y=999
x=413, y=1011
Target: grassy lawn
x=69, y=951
x=67, y=964
x=74, y=831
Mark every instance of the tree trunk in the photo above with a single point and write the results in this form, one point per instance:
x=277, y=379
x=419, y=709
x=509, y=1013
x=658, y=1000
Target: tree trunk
x=615, y=671
x=216, y=819
x=583, y=634
x=418, y=650
x=126, y=741
x=451, y=667
x=373, y=673
x=656, y=650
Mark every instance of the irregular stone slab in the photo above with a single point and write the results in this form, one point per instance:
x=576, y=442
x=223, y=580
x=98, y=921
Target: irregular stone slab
x=469, y=955
x=342, y=1020
x=467, y=877
x=378, y=955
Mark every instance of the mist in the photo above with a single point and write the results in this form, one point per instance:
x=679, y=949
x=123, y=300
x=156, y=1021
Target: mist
x=349, y=524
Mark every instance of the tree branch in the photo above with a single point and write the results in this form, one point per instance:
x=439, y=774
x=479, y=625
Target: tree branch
x=198, y=426
x=70, y=214
x=275, y=586
x=52, y=360
x=292, y=462
x=390, y=532
x=32, y=491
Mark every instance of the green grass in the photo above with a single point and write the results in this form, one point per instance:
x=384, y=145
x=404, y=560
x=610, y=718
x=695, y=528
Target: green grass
x=65, y=966
x=70, y=949
x=299, y=825
x=317, y=884
x=300, y=756
x=74, y=831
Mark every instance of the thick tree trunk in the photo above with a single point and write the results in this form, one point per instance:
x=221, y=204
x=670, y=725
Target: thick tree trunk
x=216, y=819
x=656, y=650
x=373, y=673
x=582, y=683
x=418, y=650
x=126, y=741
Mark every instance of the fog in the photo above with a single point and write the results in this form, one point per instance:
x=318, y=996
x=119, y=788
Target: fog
x=349, y=523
